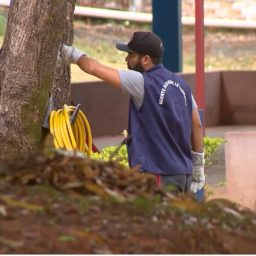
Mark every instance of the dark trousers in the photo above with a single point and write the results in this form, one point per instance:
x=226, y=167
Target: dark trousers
x=178, y=183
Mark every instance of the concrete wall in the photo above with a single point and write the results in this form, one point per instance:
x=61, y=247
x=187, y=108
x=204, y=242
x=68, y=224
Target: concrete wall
x=212, y=95
x=105, y=107
x=238, y=98
x=230, y=100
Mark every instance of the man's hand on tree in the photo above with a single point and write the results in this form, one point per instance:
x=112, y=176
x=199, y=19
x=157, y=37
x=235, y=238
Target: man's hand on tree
x=70, y=54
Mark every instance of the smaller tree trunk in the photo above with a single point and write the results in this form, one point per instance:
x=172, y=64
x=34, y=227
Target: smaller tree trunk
x=61, y=89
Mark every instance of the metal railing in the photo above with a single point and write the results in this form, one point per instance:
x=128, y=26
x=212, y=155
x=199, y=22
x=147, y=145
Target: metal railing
x=147, y=17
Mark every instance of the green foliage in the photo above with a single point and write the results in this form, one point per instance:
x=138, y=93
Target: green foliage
x=83, y=205
x=106, y=153
x=210, y=147
x=67, y=238
x=3, y=22
x=144, y=204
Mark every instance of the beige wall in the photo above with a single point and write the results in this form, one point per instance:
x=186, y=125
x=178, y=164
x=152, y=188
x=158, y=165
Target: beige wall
x=240, y=167
x=230, y=99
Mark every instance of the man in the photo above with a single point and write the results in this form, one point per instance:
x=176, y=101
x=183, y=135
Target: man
x=164, y=124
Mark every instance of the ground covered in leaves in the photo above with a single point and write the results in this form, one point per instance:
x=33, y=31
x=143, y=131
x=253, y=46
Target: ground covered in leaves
x=53, y=203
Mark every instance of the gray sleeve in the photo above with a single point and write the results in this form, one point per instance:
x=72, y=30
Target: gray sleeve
x=132, y=82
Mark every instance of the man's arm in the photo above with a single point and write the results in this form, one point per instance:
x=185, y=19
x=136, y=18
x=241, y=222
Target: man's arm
x=197, y=132
x=95, y=68
x=130, y=81
x=197, y=153
x=89, y=65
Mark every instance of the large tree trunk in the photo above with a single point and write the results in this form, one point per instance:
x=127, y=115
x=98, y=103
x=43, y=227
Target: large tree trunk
x=34, y=33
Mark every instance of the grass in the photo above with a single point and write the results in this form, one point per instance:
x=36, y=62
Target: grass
x=224, y=50
x=3, y=21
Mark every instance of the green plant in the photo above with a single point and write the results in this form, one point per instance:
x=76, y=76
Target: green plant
x=105, y=155
x=67, y=238
x=210, y=147
x=144, y=204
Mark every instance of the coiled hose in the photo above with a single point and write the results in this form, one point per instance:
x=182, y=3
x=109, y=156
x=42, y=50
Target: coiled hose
x=76, y=136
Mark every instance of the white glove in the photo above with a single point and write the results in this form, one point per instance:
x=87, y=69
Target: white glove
x=70, y=54
x=198, y=177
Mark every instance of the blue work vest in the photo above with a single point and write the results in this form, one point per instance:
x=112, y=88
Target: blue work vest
x=160, y=129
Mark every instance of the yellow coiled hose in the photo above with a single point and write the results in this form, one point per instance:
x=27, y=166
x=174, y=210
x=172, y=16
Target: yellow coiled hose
x=76, y=136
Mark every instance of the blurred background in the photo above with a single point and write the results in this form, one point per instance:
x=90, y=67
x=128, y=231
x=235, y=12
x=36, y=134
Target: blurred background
x=225, y=48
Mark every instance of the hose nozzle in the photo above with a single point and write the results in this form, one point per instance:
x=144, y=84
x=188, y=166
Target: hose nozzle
x=49, y=109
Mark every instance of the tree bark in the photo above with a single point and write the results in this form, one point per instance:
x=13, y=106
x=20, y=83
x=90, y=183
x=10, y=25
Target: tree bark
x=35, y=30
x=61, y=90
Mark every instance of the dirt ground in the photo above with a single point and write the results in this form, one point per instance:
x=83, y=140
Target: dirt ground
x=52, y=203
